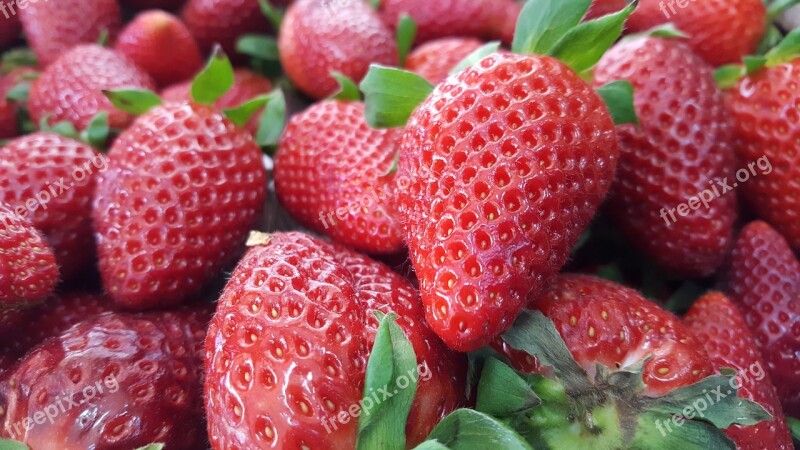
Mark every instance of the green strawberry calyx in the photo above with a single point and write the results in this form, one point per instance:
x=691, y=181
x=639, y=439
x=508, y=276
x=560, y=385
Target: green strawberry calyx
x=406, y=33
x=787, y=50
x=96, y=133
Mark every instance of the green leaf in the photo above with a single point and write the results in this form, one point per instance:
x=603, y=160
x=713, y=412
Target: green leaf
x=502, y=392
x=618, y=96
x=258, y=46
x=19, y=57
x=727, y=76
x=583, y=46
x=375, y=4
x=158, y=446
x=406, y=32
x=794, y=425
x=786, y=51
x=391, y=361
x=214, y=80
x=391, y=95
x=666, y=31
x=102, y=39
x=64, y=128
x=431, y=445
x=772, y=37
x=611, y=272
x=273, y=14
x=467, y=429
x=241, y=114
x=273, y=120
x=97, y=132
x=20, y=92
x=689, y=435
x=134, y=101
x=777, y=7
x=477, y=55
x=543, y=22
x=8, y=444
x=753, y=64
x=348, y=90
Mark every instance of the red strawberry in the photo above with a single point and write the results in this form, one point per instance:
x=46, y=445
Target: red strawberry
x=504, y=165
x=683, y=149
x=286, y=352
x=57, y=176
x=487, y=19
x=723, y=332
x=183, y=187
x=329, y=162
x=10, y=26
x=435, y=59
x=115, y=382
x=159, y=43
x=764, y=281
x=720, y=31
x=54, y=27
x=600, y=8
x=71, y=88
x=28, y=271
x=321, y=36
x=222, y=22
x=9, y=124
x=762, y=106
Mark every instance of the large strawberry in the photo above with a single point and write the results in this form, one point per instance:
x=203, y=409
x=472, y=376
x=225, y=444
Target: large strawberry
x=70, y=89
x=159, y=43
x=222, y=21
x=28, y=271
x=435, y=59
x=723, y=332
x=682, y=151
x=287, y=350
x=113, y=382
x=720, y=31
x=764, y=281
x=332, y=174
x=54, y=27
x=56, y=175
x=319, y=37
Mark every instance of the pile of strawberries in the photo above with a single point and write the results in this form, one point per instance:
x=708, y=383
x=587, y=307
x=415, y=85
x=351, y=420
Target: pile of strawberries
x=399, y=224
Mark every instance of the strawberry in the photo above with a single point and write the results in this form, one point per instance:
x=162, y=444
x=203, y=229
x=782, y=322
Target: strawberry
x=9, y=125
x=116, y=381
x=159, y=43
x=28, y=271
x=720, y=31
x=183, y=187
x=487, y=19
x=70, y=89
x=222, y=22
x=330, y=161
x=287, y=350
x=764, y=282
x=435, y=59
x=683, y=149
x=319, y=37
x=57, y=176
x=600, y=8
x=53, y=28
x=767, y=97
x=723, y=332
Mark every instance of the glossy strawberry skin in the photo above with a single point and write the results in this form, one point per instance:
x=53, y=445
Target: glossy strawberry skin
x=222, y=22
x=329, y=160
x=183, y=187
x=320, y=36
x=70, y=89
x=160, y=43
x=764, y=282
x=53, y=28
x=722, y=330
x=504, y=165
x=685, y=141
x=763, y=109
x=28, y=270
x=435, y=59
x=146, y=372
x=720, y=31
x=287, y=349
x=600, y=8
x=63, y=172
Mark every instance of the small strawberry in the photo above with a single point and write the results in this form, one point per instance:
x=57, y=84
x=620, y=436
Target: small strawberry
x=159, y=43
x=682, y=149
x=28, y=271
x=56, y=175
x=287, y=350
x=115, y=381
x=322, y=36
x=330, y=161
x=723, y=332
x=222, y=22
x=600, y=8
x=764, y=281
x=53, y=27
x=720, y=31
x=435, y=59
x=70, y=89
